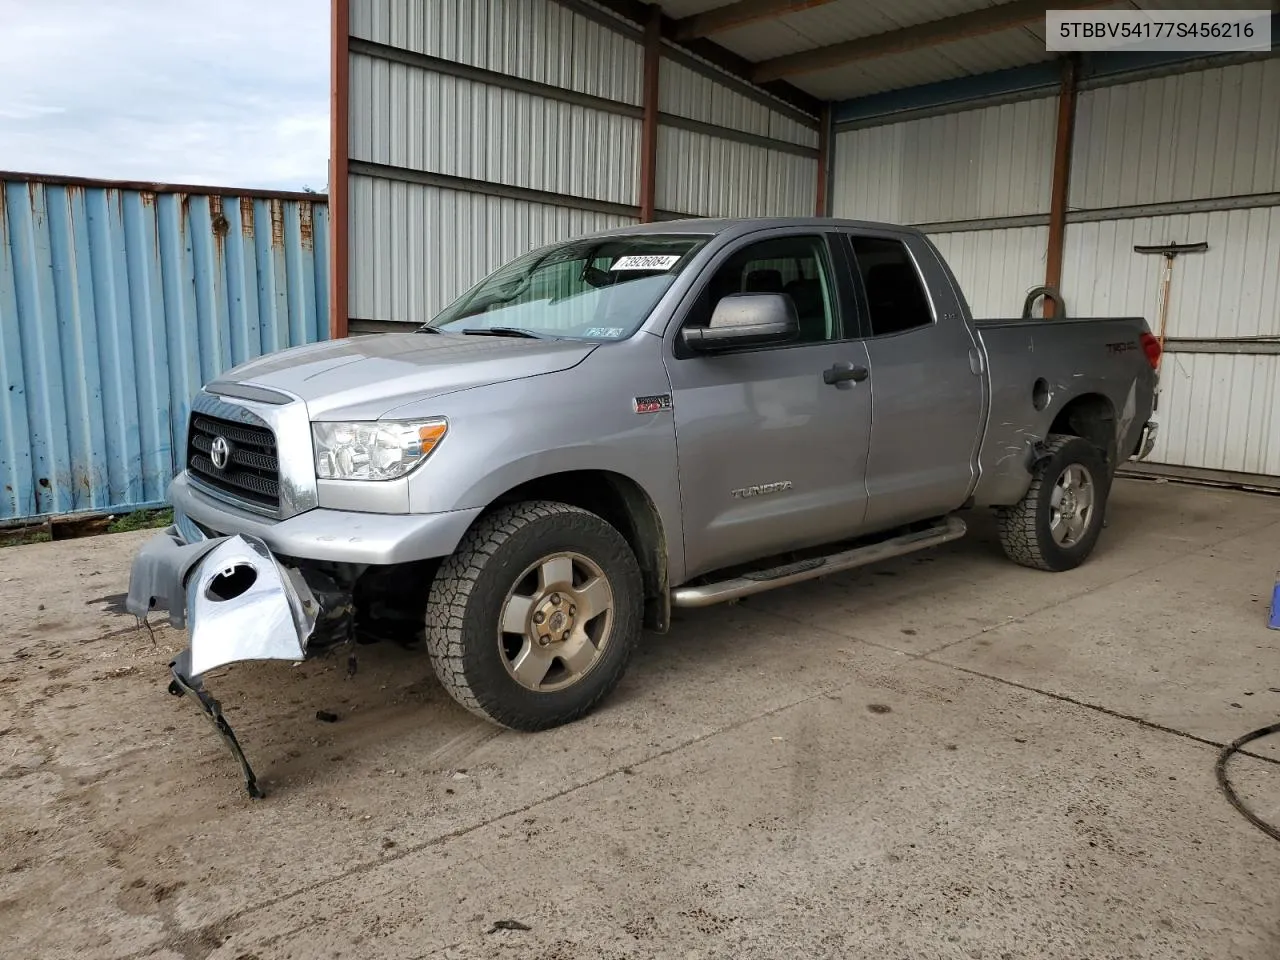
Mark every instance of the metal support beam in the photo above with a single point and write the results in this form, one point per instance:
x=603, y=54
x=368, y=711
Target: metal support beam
x=339, y=152
x=1061, y=180
x=649, y=124
x=805, y=105
x=738, y=15
x=976, y=23
x=824, y=161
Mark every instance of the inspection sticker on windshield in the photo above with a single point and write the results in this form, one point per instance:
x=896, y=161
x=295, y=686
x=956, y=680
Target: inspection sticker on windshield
x=647, y=262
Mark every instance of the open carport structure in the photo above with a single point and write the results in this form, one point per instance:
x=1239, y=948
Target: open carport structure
x=467, y=131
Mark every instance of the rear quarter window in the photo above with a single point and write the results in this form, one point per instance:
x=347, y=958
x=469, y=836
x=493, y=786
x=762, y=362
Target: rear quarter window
x=896, y=298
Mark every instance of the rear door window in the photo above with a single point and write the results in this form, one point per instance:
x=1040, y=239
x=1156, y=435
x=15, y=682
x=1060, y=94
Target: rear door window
x=895, y=294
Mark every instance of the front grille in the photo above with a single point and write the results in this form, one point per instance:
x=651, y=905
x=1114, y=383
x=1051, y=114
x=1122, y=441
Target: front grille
x=252, y=471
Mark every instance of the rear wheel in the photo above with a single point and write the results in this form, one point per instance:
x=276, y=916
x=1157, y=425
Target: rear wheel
x=1056, y=524
x=531, y=622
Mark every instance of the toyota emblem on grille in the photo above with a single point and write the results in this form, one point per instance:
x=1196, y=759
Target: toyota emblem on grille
x=220, y=452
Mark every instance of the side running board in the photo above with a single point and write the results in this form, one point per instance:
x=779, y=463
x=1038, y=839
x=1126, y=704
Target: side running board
x=758, y=581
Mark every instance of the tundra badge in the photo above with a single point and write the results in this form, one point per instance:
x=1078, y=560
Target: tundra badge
x=760, y=489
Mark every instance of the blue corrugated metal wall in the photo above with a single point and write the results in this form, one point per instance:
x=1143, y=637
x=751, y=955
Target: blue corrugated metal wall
x=116, y=304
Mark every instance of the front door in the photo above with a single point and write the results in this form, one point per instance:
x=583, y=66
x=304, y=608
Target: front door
x=771, y=456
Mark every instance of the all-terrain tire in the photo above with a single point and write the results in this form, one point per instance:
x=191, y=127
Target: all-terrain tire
x=470, y=589
x=1025, y=528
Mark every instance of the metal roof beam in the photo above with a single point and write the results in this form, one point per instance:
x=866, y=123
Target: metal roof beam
x=637, y=12
x=973, y=24
x=738, y=15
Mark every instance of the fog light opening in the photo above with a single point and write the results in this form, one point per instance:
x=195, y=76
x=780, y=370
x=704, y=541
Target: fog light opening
x=232, y=582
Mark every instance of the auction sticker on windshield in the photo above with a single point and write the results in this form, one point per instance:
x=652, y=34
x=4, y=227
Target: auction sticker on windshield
x=646, y=262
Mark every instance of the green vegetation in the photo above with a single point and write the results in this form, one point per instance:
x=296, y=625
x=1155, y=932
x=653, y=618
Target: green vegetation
x=141, y=520
x=20, y=536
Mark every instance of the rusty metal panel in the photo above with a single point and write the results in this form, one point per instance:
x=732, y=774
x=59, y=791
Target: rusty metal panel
x=495, y=135
x=398, y=228
x=713, y=177
x=688, y=93
x=534, y=39
x=1211, y=133
x=990, y=162
x=996, y=268
x=115, y=306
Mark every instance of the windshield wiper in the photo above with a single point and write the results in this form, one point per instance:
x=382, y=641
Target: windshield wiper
x=500, y=332
x=427, y=328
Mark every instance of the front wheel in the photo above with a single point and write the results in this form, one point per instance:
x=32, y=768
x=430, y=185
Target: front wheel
x=1056, y=524
x=533, y=618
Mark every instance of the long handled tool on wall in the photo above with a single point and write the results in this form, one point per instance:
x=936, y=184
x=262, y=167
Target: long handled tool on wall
x=1170, y=252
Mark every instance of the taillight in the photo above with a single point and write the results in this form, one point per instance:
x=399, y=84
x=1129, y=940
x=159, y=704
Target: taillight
x=1151, y=347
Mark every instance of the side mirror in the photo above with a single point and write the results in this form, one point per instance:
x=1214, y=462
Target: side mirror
x=745, y=320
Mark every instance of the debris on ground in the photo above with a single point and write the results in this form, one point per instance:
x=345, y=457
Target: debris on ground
x=508, y=925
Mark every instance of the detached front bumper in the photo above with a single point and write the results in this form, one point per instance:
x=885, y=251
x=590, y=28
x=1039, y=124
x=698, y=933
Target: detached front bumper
x=237, y=600
x=238, y=603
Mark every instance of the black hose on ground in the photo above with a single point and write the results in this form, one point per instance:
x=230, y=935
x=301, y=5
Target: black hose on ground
x=1221, y=770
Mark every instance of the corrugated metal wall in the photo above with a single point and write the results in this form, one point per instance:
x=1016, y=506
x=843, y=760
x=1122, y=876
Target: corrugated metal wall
x=402, y=278
x=996, y=268
x=116, y=305
x=1188, y=141
x=495, y=135
x=1187, y=157
x=989, y=162
x=1231, y=292
x=415, y=246
x=524, y=116
x=1220, y=412
x=976, y=164
x=531, y=39
x=710, y=175
x=684, y=92
x=1213, y=133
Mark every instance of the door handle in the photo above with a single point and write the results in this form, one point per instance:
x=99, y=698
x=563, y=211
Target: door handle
x=842, y=372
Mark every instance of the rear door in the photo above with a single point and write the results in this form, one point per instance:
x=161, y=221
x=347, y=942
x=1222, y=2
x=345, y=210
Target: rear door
x=772, y=457
x=926, y=382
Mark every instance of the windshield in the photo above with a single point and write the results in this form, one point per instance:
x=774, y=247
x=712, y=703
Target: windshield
x=594, y=289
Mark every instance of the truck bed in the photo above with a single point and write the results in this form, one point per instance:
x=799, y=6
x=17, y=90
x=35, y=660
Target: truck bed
x=1034, y=366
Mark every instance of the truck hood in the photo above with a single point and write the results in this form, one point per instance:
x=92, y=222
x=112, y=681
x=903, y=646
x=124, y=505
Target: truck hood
x=362, y=378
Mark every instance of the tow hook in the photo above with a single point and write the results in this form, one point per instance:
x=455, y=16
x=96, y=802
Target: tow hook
x=182, y=683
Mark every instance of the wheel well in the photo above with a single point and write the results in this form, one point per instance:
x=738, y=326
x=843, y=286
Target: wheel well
x=623, y=504
x=1092, y=417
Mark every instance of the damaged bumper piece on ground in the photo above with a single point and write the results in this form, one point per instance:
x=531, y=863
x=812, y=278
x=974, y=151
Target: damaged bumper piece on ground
x=238, y=603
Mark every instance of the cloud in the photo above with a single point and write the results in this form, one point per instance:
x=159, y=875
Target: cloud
x=227, y=93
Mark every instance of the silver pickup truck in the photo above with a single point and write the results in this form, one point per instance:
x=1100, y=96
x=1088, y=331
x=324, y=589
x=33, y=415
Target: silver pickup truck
x=670, y=415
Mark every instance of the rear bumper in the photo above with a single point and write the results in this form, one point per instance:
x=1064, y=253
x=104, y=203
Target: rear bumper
x=340, y=536
x=1147, y=442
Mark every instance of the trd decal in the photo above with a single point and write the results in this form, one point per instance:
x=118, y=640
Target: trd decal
x=654, y=404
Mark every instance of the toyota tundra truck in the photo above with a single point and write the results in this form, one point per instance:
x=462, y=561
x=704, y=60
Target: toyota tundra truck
x=669, y=415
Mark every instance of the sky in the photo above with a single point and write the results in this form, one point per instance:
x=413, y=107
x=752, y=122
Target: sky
x=218, y=92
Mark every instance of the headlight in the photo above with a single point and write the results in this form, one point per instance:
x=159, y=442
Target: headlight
x=377, y=450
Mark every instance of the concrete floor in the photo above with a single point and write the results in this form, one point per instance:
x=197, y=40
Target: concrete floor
x=943, y=756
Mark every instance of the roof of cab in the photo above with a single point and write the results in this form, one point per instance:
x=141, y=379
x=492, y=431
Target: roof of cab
x=743, y=225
